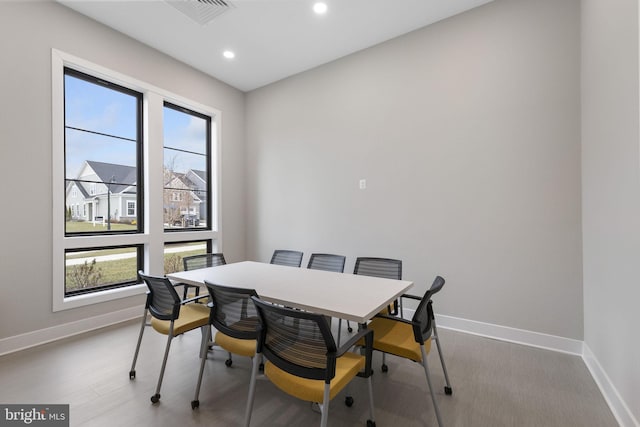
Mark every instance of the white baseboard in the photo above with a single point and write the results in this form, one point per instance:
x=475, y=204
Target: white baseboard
x=620, y=410
x=505, y=333
x=43, y=336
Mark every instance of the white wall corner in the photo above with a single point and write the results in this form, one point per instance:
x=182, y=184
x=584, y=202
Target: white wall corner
x=620, y=410
x=54, y=333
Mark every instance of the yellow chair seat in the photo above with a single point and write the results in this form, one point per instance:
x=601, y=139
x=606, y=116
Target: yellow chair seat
x=236, y=345
x=347, y=366
x=191, y=316
x=396, y=338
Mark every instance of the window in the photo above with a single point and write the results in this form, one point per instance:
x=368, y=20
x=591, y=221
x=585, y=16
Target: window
x=111, y=216
x=95, y=269
x=102, y=146
x=103, y=142
x=131, y=208
x=187, y=139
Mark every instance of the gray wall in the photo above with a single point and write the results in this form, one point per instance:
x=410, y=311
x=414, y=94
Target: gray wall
x=611, y=191
x=28, y=31
x=468, y=134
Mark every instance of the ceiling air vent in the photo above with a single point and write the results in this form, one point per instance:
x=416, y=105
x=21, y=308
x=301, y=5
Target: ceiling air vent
x=201, y=11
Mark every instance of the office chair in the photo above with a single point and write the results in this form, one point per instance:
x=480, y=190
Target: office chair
x=286, y=257
x=411, y=339
x=195, y=262
x=302, y=358
x=170, y=316
x=234, y=316
x=386, y=268
x=327, y=262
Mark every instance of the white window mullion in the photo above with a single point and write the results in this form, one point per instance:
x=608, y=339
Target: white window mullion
x=154, y=252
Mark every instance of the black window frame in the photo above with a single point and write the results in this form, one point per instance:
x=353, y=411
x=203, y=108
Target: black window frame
x=69, y=71
x=208, y=153
x=139, y=266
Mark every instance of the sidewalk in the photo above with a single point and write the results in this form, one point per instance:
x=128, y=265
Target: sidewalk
x=115, y=257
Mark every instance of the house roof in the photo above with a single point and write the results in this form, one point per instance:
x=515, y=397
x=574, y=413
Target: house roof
x=201, y=174
x=123, y=176
x=79, y=186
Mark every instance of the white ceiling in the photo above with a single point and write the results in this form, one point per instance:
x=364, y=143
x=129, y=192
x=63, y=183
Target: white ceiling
x=272, y=39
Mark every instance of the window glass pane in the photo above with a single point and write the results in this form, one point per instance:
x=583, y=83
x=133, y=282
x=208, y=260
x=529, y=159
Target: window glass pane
x=90, y=270
x=174, y=252
x=102, y=146
x=186, y=168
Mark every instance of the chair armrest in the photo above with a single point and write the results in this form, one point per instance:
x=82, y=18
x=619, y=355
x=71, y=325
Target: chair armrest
x=187, y=286
x=407, y=296
x=352, y=341
x=415, y=297
x=394, y=318
x=192, y=299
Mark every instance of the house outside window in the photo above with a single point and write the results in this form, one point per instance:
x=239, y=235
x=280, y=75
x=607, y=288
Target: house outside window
x=131, y=208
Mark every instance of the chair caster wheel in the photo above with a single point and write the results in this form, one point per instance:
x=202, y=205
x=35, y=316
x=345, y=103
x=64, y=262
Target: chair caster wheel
x=155, y=398
x=371, y=423
x=132, y=375
x=228, y=362
x=348, y=401
x=448, y=391
x=195, y=404
x=385, y=368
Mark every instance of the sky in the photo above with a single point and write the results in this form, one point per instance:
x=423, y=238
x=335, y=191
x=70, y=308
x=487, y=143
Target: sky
x=99, y=109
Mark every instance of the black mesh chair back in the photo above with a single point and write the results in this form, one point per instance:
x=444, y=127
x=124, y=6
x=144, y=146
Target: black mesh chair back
x=162, y=299
x=385, y=268
x=195, y=262
x=423, y=318
x=298, y=342
x=233, y=313
x=327, y=262
x=286, y=257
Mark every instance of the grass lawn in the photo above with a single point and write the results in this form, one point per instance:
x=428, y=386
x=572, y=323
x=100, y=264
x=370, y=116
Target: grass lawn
x=86, y=226
x=121, y=270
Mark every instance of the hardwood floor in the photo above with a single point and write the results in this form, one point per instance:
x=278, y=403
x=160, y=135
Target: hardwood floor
x=494, y=384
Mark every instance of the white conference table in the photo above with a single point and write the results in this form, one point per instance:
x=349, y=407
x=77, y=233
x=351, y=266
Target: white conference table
x=346, y=296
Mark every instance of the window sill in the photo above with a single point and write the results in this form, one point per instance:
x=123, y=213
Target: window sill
x=61, y=303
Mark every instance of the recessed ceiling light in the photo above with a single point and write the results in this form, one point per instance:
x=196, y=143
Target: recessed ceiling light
x=228, y=54
x=320, y=8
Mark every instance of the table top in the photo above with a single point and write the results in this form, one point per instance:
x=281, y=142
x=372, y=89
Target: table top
x=348, y=296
